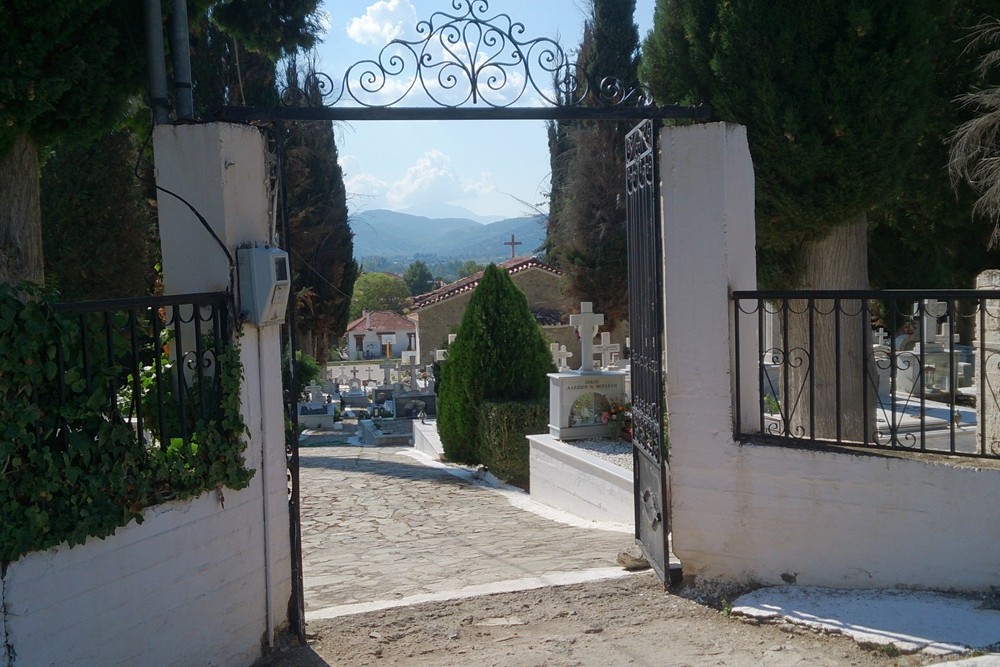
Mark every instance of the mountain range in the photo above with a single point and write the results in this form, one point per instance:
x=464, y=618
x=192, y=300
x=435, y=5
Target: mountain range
x=400, y=235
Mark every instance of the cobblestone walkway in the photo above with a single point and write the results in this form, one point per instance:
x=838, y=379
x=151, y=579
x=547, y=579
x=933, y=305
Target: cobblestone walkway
x=378, y=525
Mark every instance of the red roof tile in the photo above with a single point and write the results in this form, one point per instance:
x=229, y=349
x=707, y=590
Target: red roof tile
x=469, y=283
x=383, y=321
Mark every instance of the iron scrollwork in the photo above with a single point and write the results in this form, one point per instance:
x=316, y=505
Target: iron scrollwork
x=467, y=57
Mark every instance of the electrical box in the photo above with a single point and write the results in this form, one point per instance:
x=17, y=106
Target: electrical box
x=265, y=284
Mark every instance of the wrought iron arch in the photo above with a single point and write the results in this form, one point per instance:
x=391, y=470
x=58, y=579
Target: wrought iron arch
x=469, y=65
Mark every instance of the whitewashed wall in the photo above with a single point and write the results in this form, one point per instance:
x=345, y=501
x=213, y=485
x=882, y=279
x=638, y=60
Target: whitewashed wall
x=196, y=583
x=834, y=519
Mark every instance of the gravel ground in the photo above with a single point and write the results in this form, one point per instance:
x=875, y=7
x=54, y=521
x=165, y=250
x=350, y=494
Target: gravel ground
x=617, y=452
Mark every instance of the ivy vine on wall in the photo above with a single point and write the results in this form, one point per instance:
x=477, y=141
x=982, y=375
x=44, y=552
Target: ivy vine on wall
x=71, y=464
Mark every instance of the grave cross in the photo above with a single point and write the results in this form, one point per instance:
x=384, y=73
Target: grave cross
x=606, y=349
x=881, y=338
x=410, y=361
x=560, y=355
x=512, y=243
x=354, y=372
x=386, y=367
x=586, y=324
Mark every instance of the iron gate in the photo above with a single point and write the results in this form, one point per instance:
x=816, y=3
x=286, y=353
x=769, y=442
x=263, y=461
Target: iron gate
x=645, y=287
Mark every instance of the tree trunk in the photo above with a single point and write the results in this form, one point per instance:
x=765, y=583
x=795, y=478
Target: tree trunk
x=813, y=404
x=20, y=215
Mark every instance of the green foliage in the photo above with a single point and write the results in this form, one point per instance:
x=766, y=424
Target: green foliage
x=322, y=243
x=587, y=221
x=307, y=371
x=502, y=434
x=98, y=232
x=71, y=467
x=378, y=291
x=468, y=268
x=418, y=278
x=835, y=96
x=500, y=354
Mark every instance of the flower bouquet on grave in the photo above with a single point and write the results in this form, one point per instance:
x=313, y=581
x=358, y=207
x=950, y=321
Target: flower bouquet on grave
x=619, y=417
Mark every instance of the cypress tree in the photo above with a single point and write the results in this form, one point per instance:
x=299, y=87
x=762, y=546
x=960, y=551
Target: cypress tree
x=588, y=238
x=499, y=354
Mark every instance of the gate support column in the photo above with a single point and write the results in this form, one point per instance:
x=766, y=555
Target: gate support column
x=220, y=170
x=709, y=250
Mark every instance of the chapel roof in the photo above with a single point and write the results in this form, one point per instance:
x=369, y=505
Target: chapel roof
x=382, y=320
x=462, y=285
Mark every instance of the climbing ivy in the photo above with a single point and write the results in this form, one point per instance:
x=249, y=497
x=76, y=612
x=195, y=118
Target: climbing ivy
x=71, y=466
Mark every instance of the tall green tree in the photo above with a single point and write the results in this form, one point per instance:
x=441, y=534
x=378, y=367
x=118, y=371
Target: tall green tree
x=418, y=278
x=975, y=145
x=322, y=243
x=835, y=95
x=71, y=69
x=926, y=237
x=379, y=291
x=588, y=236
x=98, y=229
x=500, y=354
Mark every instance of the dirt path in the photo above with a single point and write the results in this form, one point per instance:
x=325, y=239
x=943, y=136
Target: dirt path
x=628, y=621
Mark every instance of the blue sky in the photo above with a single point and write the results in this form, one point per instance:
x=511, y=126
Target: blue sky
x=416, y=166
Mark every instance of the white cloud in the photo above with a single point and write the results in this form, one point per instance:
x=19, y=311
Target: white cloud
x=431, y=180
x=382, y=22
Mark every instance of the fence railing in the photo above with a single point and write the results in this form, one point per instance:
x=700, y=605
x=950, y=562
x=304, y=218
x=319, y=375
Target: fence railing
x=914, y=370
x=155, y=361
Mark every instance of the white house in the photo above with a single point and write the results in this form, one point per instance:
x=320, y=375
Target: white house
x=368, y=335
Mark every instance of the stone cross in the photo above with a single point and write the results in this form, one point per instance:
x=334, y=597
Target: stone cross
x=606, y=349
x=386, y=367
x=945, y=337
x=560, y=355
x=881, y=338
x=586, y=323
x=512, y=243
x=354, y=372
x=410, y=361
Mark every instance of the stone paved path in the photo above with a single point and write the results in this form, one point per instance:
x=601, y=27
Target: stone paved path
x=378, y=524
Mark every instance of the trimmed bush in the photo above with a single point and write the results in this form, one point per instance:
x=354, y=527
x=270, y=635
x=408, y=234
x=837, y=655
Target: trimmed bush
x=503, y=436
x=500, y=355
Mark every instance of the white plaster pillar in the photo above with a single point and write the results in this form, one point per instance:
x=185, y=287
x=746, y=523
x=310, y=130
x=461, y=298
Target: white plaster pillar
x=221, y=171
x=708, y=218
x=988, y=349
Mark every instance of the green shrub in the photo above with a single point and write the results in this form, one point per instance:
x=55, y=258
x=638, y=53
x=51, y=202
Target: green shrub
x=500, y=354
x=503, y=431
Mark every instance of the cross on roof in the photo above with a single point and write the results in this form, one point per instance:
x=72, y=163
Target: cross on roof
x=513, y=243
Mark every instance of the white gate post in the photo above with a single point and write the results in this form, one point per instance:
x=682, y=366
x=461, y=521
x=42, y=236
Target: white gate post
x=709, y=251
x=221, y=171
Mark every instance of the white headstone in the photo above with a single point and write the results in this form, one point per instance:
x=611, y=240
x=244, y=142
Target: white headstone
x=607, y=349
x=410, y=361
x=586, y=323
x=560, y=356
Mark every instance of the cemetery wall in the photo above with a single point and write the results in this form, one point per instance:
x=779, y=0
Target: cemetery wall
x=199, y=582
x=833, y=519
x=742, y=511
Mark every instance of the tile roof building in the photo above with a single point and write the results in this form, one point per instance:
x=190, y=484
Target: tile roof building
x=365, y=335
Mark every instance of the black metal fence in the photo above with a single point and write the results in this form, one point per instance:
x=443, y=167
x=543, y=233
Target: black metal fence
x=897, y=369
x=153, y=361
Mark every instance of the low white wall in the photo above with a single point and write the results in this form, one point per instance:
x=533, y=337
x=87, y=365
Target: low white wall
x=427, y=440
x=816, y=517
x=184, y=588
x=569, y=479
x=833, y=519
